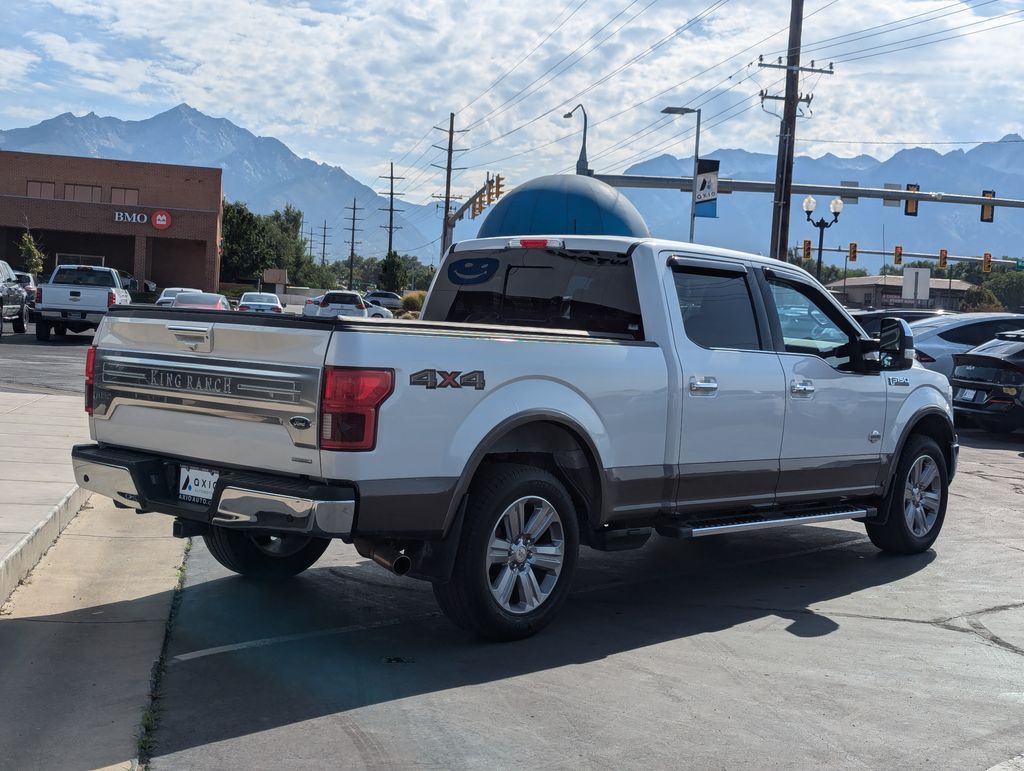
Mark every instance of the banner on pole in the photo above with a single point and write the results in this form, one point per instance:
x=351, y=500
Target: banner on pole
x=707, y=188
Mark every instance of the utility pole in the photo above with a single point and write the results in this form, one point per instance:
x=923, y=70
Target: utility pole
x=787, y=129
x=451, y=149
x=352, y=240
x=309, y=242
x=323, y=247
x=391, y=227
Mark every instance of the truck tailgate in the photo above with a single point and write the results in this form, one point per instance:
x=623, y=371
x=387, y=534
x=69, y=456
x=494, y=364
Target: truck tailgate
x=74, y=297
x=215, y=387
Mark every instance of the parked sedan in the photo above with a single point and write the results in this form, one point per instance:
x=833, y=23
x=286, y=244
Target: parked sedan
x=871, y=320
x=936, y=340
x=167, y=296
x=378, y=311
x=28, y=283
x=336, y=304
x=988, y=383
x=260, y=302
x=389, y=300
x=201, y=300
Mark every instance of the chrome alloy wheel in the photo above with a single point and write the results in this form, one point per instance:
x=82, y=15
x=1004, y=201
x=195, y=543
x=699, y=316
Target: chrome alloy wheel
x=525, y=555
x=922, y=496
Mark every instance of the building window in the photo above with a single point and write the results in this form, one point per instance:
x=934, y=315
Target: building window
x=124, y=195
x=40, y=189
x=82, y=193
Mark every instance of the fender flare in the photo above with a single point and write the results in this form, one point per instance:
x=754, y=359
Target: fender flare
x=889, y=467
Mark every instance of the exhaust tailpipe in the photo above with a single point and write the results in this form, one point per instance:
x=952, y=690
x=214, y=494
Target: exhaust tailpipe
x=384, y=555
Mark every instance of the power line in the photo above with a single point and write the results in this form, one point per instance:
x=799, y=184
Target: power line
x=910, y=142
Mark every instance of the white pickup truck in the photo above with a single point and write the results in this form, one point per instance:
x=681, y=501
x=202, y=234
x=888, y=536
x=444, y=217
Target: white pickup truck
x=76, y=298
x=556, y=392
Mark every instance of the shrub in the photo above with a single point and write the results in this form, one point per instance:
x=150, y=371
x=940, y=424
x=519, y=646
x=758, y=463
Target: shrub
x=144, y=297
x=413, y=301
x=978, y=298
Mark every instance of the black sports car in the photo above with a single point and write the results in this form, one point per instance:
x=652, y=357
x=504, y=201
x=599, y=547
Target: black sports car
x=988, y=383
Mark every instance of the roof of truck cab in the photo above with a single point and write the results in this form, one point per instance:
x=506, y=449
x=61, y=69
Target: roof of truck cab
x=624, y=243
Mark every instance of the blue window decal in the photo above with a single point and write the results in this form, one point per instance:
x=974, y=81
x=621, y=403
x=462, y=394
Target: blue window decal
x=472, y=271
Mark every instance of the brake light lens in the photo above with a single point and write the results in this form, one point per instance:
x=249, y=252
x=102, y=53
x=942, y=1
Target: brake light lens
x=276, y=309
x=243, y=307
x=90, y=365
x=310, y=301
x=350, y=404
x=362, y=306
x=536, y=243
x=39, y=295
x=923, y=357
x=324, y=303
x=111, y=297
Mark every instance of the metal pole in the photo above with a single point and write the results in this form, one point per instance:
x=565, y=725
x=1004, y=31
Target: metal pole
x=693, y=193
x=445, y=233
x=391, y=212
x=352, y=251
x=821, y=243
x=582, y=165
x=846, y=264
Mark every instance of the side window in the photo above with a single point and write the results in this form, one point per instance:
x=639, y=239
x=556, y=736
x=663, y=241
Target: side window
x=717, y=308
x=809, y=323
x=973, y=334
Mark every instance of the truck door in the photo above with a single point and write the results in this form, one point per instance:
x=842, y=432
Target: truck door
x=733, y=399
x=835, y=415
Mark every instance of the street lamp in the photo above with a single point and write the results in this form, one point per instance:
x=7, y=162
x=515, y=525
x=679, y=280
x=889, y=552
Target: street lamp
x=835, y=206
x=581, y=164
x=696, y=154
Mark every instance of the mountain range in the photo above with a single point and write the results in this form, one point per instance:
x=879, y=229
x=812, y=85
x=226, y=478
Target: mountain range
x=266, y=174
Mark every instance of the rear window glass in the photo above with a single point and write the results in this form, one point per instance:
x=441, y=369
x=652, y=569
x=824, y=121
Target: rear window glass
x=260, y=298
x=989, y=374
x=198, y=299
x=343, y=298
x=594, y=291
x=83, y=277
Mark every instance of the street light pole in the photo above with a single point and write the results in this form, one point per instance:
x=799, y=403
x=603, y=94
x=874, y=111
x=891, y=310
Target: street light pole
x=696, y=158
x=835, y=206
x=582, y=166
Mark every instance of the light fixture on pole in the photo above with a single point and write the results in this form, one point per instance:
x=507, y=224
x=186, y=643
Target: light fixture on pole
x=582, y=166
x=835, y=206
x=696, y=155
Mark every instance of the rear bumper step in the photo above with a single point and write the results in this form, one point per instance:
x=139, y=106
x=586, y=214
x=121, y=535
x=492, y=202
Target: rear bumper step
x=241, y=500
x=783, y=518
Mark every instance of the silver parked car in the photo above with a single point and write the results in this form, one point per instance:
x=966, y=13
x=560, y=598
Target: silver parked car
x=339, y=303
x=389, y=300
x=260, y=302
x=937, y=339
x=377, y=311
x=167, y=296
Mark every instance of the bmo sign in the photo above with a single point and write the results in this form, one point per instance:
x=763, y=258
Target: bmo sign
x=160, y=219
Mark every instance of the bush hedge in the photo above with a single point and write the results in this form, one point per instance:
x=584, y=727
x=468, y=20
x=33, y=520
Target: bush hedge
x=413, y=301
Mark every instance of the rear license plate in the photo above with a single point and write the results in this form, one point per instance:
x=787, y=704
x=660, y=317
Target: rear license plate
x=196, y=485
x=967, y=394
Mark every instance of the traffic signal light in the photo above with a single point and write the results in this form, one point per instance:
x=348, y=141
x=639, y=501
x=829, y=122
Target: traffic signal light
x=499, y=182
x=490, y=191
x=986, y=262
x=475, y=207
x=897, y=256
x=943, y=254
x=852, y=254
x=910, y=204
x=988, y=212
x=807, y=248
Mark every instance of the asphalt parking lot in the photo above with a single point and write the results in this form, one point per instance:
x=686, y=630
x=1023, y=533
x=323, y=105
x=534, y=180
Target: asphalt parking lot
x=788, y=648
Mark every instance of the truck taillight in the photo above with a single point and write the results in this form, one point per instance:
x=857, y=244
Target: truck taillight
x=349, y=406
x=111, y=297
x=90, y=364
x=39, y=295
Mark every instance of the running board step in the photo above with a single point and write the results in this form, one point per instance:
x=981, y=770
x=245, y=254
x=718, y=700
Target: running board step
x=763, y=521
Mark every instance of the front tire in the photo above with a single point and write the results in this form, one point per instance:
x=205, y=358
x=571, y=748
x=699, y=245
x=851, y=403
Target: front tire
x=517, y=555
x=264, y=555
x=21, y=322
x=917, y=501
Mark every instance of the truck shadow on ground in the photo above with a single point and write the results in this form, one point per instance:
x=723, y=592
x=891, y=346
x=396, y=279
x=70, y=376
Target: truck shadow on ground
x=247, y=657
x=979, y=439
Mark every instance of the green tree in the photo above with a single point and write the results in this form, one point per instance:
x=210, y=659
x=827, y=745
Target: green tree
x=247, y=244
x=393, y=275
x=31, y=254
x=1008, y=289
x=979, y=298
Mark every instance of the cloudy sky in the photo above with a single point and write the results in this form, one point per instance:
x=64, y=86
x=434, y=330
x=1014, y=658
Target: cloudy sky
x=360, y=82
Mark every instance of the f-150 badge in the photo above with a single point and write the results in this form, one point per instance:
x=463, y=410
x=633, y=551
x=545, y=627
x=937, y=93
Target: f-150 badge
x=899, y=381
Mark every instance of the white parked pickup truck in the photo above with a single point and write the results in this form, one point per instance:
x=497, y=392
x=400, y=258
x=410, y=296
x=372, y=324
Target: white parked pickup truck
x=76, y=298
x=557, y=392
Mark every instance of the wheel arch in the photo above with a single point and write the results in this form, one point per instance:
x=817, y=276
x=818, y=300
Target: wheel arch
x=931, y=422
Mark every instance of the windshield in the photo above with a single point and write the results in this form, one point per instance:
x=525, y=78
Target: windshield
x=84, y=277
x=588, y=290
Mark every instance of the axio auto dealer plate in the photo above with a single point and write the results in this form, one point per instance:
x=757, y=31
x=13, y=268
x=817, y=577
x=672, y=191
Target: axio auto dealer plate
x=196, y=485
x=967, y=394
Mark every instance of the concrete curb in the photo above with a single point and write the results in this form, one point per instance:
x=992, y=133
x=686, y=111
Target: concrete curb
x=30, y=549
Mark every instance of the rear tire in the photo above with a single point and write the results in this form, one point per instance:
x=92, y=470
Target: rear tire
x=21, y=322
x=264, y=555
x=516, y=557
x=42, y=331
x=916, y=501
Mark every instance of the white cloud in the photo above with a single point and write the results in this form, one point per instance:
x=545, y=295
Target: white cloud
x=357, y=83
x=14, y=66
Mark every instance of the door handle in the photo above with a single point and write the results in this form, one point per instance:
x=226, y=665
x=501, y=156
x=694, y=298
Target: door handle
x=801, y=387
x=703, y=385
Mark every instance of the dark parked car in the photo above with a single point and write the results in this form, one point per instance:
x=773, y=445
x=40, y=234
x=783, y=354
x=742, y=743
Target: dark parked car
x=871, y=320
x=988, y=383
x=28, y=283
x=13, y=301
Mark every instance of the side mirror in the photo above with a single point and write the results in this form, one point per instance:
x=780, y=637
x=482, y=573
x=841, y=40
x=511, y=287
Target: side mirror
x=896, y=345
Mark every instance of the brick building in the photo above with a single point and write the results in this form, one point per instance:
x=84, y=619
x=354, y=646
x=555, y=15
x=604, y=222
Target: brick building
x=156, y=221
x=887, y=292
